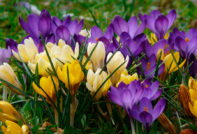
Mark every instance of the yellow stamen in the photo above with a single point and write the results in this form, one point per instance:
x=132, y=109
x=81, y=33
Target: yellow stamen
x=146, y=86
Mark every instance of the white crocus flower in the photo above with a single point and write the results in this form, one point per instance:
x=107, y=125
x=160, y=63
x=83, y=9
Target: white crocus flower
x=114, y=63
x=27, y=51
x=98, y=56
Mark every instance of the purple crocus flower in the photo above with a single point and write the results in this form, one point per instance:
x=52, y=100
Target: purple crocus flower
x=12, y=44
x=131, y=27
x=151, y=90
x=127, y=95
x=97, y=34
x=192, y=69
x=183, y=42
x=36, y=25
x=149, y=66
x=5, y=54
x=132, y=47
x=153, y=50
x=145, y=113
x=66, y=28
x=158, y=23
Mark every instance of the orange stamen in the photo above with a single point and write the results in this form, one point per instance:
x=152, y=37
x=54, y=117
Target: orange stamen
x=96, y=39
x=148, y=66
x=146, y=109
x=187, y=39
x=146, y=86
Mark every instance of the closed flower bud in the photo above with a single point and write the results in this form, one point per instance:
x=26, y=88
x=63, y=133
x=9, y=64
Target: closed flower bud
x=167, y=124
x=98, y=56
x=184, y=99
x=7, y=74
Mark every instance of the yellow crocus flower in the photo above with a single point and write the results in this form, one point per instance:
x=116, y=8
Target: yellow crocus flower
x=8, y=112
x=7, y=74
x=75, y=73
x=114, y=63
x=27, y=51
x=126, y=78
x=46, y=83
x=13, y=128
x=193, y=96
x=94, y=81
x=170, y=63
x=193, y=108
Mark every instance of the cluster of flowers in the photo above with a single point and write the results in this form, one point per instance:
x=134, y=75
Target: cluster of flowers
x=122, y=63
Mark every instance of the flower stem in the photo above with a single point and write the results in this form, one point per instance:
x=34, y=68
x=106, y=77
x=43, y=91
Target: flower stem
x=132, y=126
x=5, y=93
x=73, y=108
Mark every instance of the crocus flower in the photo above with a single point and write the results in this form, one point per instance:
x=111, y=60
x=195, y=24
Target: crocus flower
x=130, y=35
x=183, y=42
x=170, y=64
x=145, y=113
x=132, y=47
x=67, y=30
x=49, y=85
x=114, y=63
x=37, y=24
x=126, y=95
x=5, y=54
x=26, y=51
x=193, y=91
x=94, y=81
x=149, y=66
x=158, y=23
x=41, y=60
x=8, y=112
x=127, y=78
x=192, y=69
x=98, y=55
x=97, y=34
x=131, y=27
x=59, y=55
x=74, y=73
x=7, y=74
x=156, y=48
x=151, y=90
x=13, y=128
x=12, y=44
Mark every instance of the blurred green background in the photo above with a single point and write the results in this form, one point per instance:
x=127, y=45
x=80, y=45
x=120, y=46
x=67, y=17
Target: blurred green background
x=94, y=12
